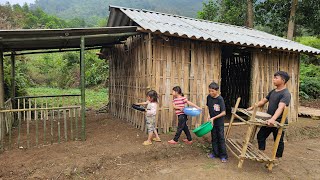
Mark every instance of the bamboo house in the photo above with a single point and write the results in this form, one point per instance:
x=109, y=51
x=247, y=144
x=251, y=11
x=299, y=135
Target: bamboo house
x=173, y=50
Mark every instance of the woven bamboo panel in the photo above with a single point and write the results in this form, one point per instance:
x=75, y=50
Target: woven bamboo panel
x=154, y=63
x=264, y=65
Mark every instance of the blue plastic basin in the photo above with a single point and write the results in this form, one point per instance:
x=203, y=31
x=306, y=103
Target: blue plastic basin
x=191, y=111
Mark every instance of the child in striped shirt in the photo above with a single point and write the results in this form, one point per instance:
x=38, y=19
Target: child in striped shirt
x=179, y=103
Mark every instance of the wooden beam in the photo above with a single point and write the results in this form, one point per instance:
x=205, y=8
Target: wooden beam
x=68, y=37
x=54, y=51
x=82, y=76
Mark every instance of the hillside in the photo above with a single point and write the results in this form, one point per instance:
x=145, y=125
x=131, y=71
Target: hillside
x=95, y=10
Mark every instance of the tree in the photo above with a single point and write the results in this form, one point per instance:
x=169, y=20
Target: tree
x=250, y=13
x=209, y=11
x=225, y=11
x=290, y=32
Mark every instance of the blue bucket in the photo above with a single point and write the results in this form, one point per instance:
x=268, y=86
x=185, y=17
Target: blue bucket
x=191, y=111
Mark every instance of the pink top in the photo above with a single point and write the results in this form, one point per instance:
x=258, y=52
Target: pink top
x=180, y=102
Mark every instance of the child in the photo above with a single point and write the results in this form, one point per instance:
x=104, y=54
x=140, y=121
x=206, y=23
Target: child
x=278, y=99
x=217, y=111
x=179, y=102
x=152, y=103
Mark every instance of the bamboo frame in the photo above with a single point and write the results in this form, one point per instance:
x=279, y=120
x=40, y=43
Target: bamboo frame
x=244, y=149
x=40, y=120
x=149, y=62
x=264, y=65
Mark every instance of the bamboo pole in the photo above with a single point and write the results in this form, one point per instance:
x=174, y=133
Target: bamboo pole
x=83, y=101
x=76, y=119
x=44, y=128
x=28, y=124
x=13, y=84
x=233, y=116
x=71, y=125
x=51, y=126
x=276, y=142
x=59, y=117
x=2, y=134
x=24, y=107
x=37, y=126
x=65, y=125
x=247, y=139
x=19, y=129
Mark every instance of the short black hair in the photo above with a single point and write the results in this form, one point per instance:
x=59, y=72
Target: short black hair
x=214, y=86
x=284, y=75
x=153, y=95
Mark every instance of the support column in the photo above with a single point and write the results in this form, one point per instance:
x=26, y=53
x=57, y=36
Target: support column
x=13, y=86
x=83, y=100
x=2, y=125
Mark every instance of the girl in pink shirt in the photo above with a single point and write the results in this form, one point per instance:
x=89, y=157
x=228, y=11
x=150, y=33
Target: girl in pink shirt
x=179, y=103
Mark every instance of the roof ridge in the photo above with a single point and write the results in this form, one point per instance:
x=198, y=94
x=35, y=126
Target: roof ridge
x=180, y=16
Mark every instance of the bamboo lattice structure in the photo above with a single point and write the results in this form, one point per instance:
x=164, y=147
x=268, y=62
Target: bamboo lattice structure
x=150, y=61
x=41, y=120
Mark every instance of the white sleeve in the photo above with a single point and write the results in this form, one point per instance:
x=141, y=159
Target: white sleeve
x=152, y=109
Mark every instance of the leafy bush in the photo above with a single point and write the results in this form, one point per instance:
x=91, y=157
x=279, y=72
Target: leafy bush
x=309, y=81
x=21, y=79
x=63, y=70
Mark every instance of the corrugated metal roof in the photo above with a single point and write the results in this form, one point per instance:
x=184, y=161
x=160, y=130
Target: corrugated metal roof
x=201, y=29
x=36, y=39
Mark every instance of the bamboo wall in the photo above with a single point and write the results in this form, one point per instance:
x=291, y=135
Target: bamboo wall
x=154, y=63
x=148, y=62
x=264, y=65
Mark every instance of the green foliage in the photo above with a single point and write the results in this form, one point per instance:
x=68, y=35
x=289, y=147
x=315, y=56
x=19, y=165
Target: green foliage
x=63, y=71
x=95, y=10
x=95, y=98
x=209, y=11
x=309, y=81
x=21, y=78
x=273, y=14
x=313, y=42
x=16, y=16
x=226, y=11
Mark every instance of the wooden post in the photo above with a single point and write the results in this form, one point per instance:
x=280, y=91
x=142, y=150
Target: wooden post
x=65, y=125
x=248, y=135
x=2, y=125
x=83, y=101
x=13, y=85
x=232, y=116
x=276, y=142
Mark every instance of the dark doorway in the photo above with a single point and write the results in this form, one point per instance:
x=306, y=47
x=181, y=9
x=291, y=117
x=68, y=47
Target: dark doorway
x=235, y=76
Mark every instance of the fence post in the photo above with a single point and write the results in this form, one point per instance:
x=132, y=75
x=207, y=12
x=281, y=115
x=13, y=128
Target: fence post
x=2, y=125
x=83, y=101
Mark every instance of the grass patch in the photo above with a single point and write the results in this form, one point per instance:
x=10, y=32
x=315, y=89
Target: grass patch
x=95, y=98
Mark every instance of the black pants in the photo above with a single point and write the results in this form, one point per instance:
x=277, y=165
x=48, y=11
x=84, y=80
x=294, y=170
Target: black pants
x=182, y=126
x=263, y=134
x=218, y=142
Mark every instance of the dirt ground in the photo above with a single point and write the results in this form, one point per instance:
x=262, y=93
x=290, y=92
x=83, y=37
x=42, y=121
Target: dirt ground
x=313, y=103
x=113, y=150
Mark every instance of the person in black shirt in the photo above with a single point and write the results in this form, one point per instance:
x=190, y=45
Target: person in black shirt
x=278, y=99
x=217, y=111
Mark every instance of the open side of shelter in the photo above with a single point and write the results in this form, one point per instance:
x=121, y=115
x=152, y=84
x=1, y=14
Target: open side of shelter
x=32, y=121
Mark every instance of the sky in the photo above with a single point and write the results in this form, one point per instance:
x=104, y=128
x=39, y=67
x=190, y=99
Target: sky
x=16, y=1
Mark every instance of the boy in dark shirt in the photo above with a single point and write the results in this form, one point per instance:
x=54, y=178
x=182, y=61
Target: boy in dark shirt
x=217, y=111
x=278, y=99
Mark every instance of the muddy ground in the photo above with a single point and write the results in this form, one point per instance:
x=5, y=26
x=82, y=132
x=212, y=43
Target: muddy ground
x=113, y=150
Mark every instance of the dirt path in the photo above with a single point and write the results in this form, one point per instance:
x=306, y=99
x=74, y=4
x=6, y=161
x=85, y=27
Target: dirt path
x=113, y=150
